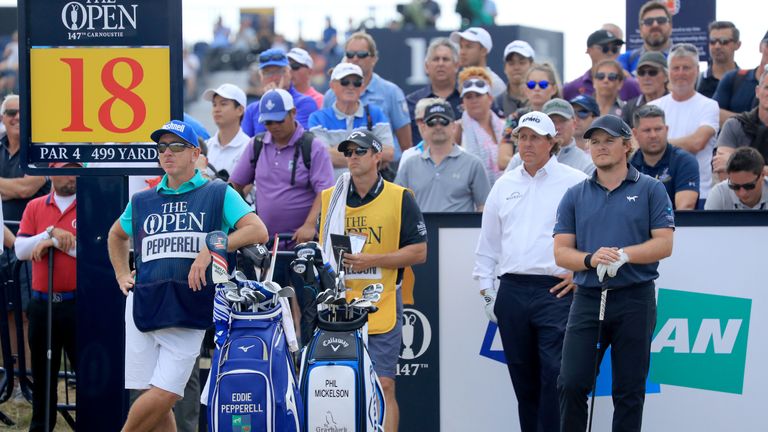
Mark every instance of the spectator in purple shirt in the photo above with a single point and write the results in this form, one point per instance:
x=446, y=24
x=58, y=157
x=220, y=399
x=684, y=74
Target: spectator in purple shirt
x=601, y=45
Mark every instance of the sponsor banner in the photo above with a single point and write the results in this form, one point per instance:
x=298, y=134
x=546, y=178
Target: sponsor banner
x=690, y=19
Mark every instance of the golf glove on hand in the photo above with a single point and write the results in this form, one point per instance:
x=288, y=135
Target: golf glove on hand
x=614, y=266
x=490, y=301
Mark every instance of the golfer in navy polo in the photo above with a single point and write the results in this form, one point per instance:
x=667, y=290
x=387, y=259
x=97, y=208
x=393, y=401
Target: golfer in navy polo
x=611, y=230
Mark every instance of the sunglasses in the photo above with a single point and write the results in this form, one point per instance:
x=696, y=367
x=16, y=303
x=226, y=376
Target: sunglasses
x=437, y=121
x=610, y=48
x=176, y=147
x=613, y=76
x=651, y=72
x=358, y=54
x=346, y=81
x=360, y=151
x=582, y=114
x=296, y=66
x=745, y=186
x=474, y=82
x=11, y=112
x=543, y=84
x=721, y=41
x=269, y=58
x=658, y=20
x=273, y=122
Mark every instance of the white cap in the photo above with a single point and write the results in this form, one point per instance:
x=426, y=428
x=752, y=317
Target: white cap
x=227, y=91
x=538, y=122
x=300, y=56
x=474, y=34
x=345, y=69
x=520, y=47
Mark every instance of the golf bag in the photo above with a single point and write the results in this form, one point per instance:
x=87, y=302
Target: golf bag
x=340, y=389
x=253, y=385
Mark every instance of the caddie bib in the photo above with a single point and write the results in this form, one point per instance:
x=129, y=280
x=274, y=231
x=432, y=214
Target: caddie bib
x=380, y=221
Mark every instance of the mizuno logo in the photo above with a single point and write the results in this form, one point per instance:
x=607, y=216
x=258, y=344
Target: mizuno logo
x=632, y=198
x=246, y=348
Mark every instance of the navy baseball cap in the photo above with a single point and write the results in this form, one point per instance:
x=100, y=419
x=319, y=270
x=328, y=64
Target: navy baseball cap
x=439, y=109
x=588, y=103
x=273, y=57
x=177, y=127
x=612, y=125
x=603, y=37
x=363, y=139
x=275, y=105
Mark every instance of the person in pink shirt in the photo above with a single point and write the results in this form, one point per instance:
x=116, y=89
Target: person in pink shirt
x=301, y=71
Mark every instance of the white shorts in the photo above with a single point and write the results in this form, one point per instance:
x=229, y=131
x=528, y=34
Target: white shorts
x=161, y=358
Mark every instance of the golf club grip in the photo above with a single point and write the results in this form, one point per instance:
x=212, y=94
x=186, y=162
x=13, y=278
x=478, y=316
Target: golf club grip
x=603, y=299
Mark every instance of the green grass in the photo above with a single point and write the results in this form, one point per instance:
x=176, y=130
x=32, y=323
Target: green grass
x=20, y=412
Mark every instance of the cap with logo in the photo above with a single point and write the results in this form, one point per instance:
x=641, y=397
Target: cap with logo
x=653, y=58
x=612, y=125
x=273, y=57
x=439, y=109
x=363, y=139
x=227, y=91
x=177, y=127
x=520, y=47
x=559, y=107
x=603, y=37
x=588, y=103
x=345, y=69
x=538, y=122
x=474, y=34
x=274, y=105
x=301, y=57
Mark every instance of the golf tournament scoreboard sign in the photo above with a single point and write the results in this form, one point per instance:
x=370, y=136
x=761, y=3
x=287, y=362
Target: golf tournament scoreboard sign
x=97, y=77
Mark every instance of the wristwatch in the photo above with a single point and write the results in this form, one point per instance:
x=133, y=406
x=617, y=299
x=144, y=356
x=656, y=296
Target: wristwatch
x=49, y=231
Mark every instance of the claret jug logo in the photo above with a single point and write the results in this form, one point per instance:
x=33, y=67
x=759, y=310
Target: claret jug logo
x=98, y=18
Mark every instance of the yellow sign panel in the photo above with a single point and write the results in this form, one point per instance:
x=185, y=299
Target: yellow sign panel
x=99, y=94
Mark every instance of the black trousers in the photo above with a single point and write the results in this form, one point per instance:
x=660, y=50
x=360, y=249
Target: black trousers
x=630, y=318
x=532, y=325
x=62, y=338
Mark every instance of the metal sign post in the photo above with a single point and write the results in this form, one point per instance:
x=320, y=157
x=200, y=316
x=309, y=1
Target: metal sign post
x=96, y=77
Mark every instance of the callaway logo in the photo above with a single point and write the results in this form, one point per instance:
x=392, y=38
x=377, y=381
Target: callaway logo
x=246, y=348
x=335, y=343
x=632, y=198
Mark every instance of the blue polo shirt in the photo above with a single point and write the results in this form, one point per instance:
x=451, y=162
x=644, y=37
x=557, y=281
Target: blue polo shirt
x=677, y=170
x=736, y=96
x=619, y=218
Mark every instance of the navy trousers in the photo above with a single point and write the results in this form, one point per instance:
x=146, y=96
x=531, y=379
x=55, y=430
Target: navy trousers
x=630, y=318
x=532, y=325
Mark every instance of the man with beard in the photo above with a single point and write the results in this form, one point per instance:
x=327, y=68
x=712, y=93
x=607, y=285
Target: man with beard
x=723, y=43
x=655, y=29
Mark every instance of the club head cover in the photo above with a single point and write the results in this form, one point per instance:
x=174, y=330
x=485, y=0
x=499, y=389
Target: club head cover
x=217, y=241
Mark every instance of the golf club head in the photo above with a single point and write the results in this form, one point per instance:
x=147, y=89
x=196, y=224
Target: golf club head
x=233, y=296
x=323, y=296
x=339, y=301
x=272, y=287
x=362, y=303
x=217, y=241
x=373, y=288
x=287, y=292
x=252, y=295
x=372, y=297
x=240, y=276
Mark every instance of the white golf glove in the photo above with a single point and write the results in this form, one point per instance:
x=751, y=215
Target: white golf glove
x=601, y=270
x=490, y=301
x=611, y=269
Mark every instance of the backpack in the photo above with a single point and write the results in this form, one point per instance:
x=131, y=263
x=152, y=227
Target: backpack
x=304, y=144
x=253, y=385
x=339, y=387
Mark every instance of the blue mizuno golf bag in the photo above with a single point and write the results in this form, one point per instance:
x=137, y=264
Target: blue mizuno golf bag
x=339, y=387
x=253, y=385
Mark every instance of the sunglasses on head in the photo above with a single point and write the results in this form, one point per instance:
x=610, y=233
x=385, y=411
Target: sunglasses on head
x=11, y=112
x=613, y=76
x=474, y=82
x=582, y=114
x=651, y=72
x=434, y=121
x=268, y=58
x=610, y=48
x=721, y=41
x=658, y=20
x=176, y=147
x=273, y=122
x=543, y=84
x=358, y=54
x=746, y=186
x=360, y=151
x=347, y=81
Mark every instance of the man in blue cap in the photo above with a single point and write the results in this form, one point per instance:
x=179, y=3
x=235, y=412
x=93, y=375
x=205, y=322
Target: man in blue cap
x=611, y=230
x=170, y=294
x=586, y=111
x=275, y=73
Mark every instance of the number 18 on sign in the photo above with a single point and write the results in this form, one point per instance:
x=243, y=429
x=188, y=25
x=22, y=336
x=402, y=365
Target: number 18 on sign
x=99, y=94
